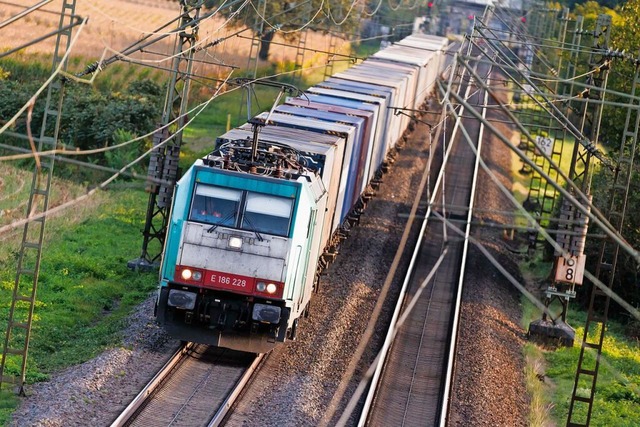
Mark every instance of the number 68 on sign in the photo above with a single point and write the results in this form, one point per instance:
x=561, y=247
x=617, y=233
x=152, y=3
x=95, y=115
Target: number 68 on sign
x=571, y=269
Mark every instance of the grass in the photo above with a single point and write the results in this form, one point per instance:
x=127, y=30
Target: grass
x=540, y=404
x=539, y=391
x=85, y=291
x=8, y=402
x=617, y=398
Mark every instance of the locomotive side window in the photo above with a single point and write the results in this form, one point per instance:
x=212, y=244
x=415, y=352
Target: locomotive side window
x=267, y=214
x=215, y=205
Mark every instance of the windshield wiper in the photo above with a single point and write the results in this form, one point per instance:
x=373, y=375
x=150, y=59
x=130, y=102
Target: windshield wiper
x=225, y=219
x=253, y=228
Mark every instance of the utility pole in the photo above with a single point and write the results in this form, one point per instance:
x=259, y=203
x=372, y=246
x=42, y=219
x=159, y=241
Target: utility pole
x=16, y=342
x=163, y=164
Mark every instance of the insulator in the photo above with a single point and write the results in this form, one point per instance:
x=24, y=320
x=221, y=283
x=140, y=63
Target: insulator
x=154, y=172
x=169, y=175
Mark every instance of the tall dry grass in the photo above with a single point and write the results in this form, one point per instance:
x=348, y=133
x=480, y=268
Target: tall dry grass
x=115, y=24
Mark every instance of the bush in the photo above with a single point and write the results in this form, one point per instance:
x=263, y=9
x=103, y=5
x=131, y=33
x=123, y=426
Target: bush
x=123, y=156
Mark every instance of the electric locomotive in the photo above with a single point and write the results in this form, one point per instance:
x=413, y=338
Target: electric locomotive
x=241, y=252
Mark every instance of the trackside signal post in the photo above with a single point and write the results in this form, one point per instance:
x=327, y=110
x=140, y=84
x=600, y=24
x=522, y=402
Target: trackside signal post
x=569, y=264
x=163, y=164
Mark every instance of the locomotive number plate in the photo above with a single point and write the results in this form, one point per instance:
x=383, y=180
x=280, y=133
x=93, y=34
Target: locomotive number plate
x=230, y=282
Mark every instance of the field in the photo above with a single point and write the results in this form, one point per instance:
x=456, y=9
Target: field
x=115, y=24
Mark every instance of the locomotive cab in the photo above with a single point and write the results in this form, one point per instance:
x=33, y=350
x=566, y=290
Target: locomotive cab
x=239, y=258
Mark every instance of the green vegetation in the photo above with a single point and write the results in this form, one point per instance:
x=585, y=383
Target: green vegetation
x=540, y=406
x=617, y=399
x=92, y=118
x=8, y=402
x=85, y=290
x=541, y=402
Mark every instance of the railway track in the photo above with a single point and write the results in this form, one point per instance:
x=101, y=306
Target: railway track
x=196, y=387
x=412, y=379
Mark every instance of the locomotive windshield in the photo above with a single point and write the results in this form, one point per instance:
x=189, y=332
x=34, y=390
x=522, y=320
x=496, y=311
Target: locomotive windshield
x=215, y=205
x=245, y=210
x=267, y=214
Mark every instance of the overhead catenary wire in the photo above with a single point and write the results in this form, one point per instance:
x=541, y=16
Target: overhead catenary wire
x=144, y=42
x=125, y=24
x=579, y=96
x=560, y=118
x=594, y=214
x=24, y=13
x=198, y=110
x=538, y=227
x=52, y=77
x=632, y=310
x=440, y=134
x=105, y=183
x=275, y=27
x=66, y=152
x=369, y=374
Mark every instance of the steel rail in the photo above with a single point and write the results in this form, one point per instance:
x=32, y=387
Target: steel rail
x=596, y=219
x=152, y=386
x=384, y=351
x=224, y=409
x=444, y=411
x=170, y=368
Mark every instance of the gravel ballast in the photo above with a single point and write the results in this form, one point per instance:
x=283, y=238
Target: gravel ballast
x=301, y=378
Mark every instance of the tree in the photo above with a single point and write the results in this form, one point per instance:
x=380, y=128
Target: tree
x=289, y=18
x=624, y=36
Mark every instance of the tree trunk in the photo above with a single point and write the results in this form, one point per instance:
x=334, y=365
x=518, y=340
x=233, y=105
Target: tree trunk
x=265, y=44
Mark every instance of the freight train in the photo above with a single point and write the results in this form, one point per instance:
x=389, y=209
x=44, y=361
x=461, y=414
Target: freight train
x=253, y=223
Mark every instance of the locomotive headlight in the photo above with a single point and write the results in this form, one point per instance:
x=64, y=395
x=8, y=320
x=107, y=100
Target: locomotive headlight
x=189, y=274
x=186, y=274
x=271, y=288
x=235, y=242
